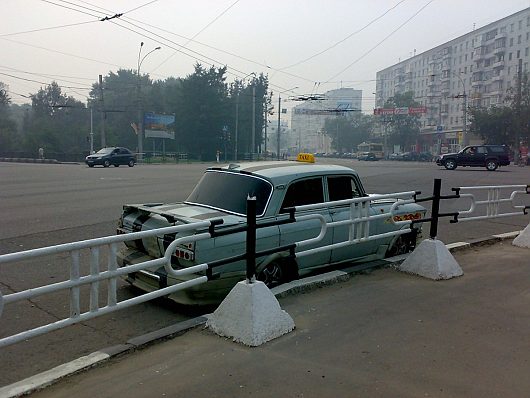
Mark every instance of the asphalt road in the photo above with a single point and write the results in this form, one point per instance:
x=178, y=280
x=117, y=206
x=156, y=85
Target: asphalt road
x=43, y=204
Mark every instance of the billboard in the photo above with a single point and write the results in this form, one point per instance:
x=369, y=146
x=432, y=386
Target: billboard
x=159, y=126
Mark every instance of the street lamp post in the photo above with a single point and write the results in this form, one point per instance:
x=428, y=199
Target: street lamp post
x=279, y=113
x=140, y=131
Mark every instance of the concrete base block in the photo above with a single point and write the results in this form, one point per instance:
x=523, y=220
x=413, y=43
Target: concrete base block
x=523, y=239
x=251, y=315
x=431, y=259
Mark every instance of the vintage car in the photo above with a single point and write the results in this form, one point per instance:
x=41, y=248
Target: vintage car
x=221, y=193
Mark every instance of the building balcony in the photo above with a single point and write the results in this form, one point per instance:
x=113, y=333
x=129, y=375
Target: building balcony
x=498, y=64
x=498, y=77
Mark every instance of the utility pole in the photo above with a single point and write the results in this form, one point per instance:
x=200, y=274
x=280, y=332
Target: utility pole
x=237, y=122
x=102, y=110
x=266, y=122
x=253, y=121
x=518, y=111
x=91, y=131
x=278, y=131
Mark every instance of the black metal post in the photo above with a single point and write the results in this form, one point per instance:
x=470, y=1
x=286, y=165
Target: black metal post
x=435, y=210
x=251, y=238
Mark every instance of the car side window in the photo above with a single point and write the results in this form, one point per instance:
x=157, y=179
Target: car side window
x=304, y=192
x=482, y=150
x=343, y=187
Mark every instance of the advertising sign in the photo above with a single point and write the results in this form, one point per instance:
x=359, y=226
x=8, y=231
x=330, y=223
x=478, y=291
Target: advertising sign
x=159, y=126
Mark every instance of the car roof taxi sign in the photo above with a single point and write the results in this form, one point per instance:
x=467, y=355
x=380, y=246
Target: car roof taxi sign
x=305, y=157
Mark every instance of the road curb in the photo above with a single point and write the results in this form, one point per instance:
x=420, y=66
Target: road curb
x=49, y=377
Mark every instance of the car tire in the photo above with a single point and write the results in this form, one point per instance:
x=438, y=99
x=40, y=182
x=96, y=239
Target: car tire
x=272, y=275
x=116, y=165
x=450, y=164
x=106, y=163
x=90, y=165
x=403, y=244
x=491, y=165
x=131, y=163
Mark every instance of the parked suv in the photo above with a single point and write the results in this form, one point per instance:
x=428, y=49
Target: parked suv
x=488, y=156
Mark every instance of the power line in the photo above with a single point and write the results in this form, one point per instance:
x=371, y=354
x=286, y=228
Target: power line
x=199, y=32
x=382, y=41
x=36, y=81
x=73, y=9
x=49, y=28
x=343, y=40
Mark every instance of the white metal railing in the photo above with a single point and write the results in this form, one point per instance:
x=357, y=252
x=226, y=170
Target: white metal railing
x=359, y=220
x=491, y=205
x=359, y=223
x=96, y=276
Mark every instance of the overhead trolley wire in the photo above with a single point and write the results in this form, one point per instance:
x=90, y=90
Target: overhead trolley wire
x=343, y=40
x=381, y=42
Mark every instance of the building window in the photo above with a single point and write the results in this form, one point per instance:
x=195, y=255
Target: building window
x=518, y=53
x=519, y=39
x=511, y=42
x=520, y=25
x=526, y=52
x=509, y=56
x=465, y=58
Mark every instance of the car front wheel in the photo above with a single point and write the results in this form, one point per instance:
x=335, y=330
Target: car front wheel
x=131, y=163
x=450, y=164
x=271, y=275
x=106, y=163
x=491, y=165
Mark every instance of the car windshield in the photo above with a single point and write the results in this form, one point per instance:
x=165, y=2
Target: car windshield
x=103, y=151
x=229, y=191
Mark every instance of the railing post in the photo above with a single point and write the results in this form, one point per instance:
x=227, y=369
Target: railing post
x=251, y=239
x=435, y=210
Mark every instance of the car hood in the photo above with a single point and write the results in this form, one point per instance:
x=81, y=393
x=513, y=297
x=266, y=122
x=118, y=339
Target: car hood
x=184, y=213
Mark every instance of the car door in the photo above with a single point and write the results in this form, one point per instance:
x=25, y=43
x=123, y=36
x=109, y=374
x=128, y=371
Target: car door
x=304, y=192
x=123, y=156
x=340, y=188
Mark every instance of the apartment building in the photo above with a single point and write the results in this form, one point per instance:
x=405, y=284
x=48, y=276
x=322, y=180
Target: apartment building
x=475, y=69
x=308, y=119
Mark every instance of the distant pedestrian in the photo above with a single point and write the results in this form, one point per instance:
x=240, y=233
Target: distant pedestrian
x=41, y=153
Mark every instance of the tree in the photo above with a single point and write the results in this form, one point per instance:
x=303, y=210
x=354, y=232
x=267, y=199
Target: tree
x=403, y=129
x=348, y=130
x=494, y=125
x=8, y=136
x=201, y=112
x=57, y=123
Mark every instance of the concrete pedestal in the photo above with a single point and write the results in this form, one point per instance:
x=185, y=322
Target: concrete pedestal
x=431, y=259
x=251, y=315
x=523, y=239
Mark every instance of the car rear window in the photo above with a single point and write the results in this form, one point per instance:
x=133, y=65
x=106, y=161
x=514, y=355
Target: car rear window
x=229, y=191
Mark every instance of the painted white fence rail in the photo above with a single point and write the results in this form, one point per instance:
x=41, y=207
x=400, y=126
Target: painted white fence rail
x=96, y=276
x=359, y=224
x=491, y=206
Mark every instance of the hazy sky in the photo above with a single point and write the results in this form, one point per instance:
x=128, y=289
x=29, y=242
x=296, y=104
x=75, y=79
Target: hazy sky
x=316, y=45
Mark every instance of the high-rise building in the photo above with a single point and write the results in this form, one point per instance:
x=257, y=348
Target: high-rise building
x=308, y=119
x=475, y=69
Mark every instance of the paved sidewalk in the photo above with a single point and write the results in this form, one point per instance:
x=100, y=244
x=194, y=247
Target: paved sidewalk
x=380, y=334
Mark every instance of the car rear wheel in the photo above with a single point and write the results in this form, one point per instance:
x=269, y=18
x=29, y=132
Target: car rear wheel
x=491, y=165
x=450, y=164
x=116, y=165
x=106, y=163
x=131, y=163
x=271, y=275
